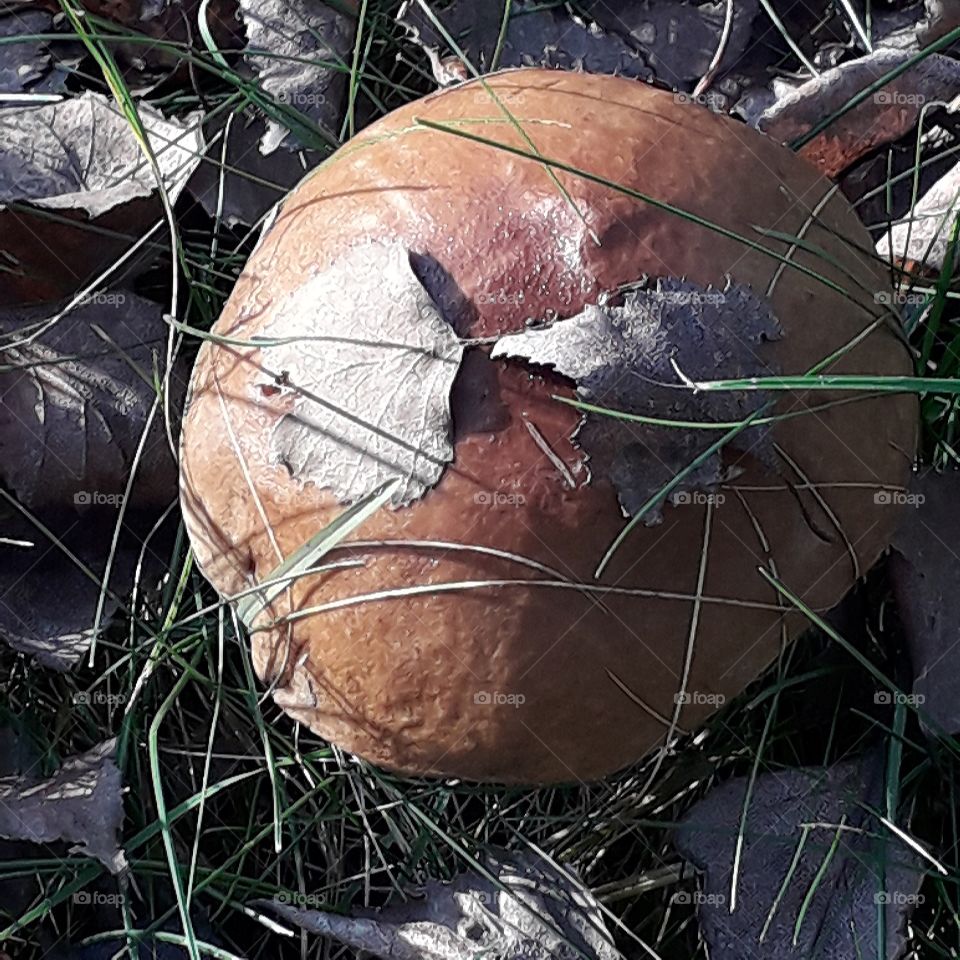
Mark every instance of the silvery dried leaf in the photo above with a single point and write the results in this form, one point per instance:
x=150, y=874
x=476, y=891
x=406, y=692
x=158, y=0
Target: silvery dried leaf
x=627, y=358
x=551, y=38
x=81, y=805
x=370, y=400
x=298, y=49
x=924, y=234
x=923, y=567
x=678, y=40
x=75, y=399
x=82, y=154
x=534, y=912
x=817, y=871
x=883, y=117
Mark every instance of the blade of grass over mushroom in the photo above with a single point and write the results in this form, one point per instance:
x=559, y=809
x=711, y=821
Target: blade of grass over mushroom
x=454, y=130
x=302, y=560
x=942, y=44
x=675, y=482
x=502, y=107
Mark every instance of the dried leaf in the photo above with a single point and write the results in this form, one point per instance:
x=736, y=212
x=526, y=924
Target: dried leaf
x=627, y=358
x=23, y=65
x=73, y=181
x=75, y=404
x=817, y=871
x=923, y=568
x=81, y=804
x=534, y=912
x=923, y=236
x=375, y=403
x=549, y=38
x=678, y=40
x=298, y=49
x=881, y=118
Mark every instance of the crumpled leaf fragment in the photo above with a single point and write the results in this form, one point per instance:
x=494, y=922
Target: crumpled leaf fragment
x=923, y=568
x=627, y=358
x=24, y=64
x=76, y=191
x=881, y=118
x=81, y=804
x=551, y=38
x=792, y=823
x=295, y=47
x=678, y=40
x=535, y=912
x=370, y=400
x=74, y=403
x=923, y=235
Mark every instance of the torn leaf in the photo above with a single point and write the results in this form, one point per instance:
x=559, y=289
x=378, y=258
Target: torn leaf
x=923, y=235
x=75, y=399
x=81, y=805
x=76, y=191
x=818, y=875
x=678, y=40
x=535, y=37
x=923, y=568
x=299, y=49
x=535, y=912
x=881, y=118
x=369, y=401
x=632, y=358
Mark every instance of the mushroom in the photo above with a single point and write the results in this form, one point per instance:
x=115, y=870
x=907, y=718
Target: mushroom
x=411, y=319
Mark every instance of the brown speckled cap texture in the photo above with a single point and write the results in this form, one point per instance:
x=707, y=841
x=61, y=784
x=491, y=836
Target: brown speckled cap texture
x=534, y=680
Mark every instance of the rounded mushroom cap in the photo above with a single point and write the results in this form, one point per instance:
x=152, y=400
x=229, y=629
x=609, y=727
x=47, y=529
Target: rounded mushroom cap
x=463, y=632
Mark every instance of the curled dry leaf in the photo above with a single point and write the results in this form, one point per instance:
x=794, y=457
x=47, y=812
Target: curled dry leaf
x=298, y=49
x=631, y=358
x=534, y=911
x=883, y=117
x=370, y=399
x=923, y=236
x=923, y=567
x=77, y=191
x=550, y=38
x=817, y=871
x=81, y=804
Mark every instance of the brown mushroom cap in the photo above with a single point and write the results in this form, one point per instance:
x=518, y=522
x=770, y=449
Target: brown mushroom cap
x=546, y=682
